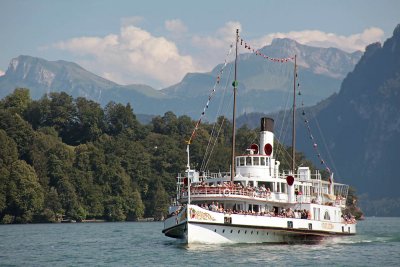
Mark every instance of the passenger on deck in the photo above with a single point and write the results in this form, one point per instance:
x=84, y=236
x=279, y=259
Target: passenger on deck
x=268, y=192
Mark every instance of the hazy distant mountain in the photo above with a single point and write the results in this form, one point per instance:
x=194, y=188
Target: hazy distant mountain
x=262, y=86
x=42, y=76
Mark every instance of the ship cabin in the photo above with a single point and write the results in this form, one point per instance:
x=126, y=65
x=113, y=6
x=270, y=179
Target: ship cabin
x=259, y=187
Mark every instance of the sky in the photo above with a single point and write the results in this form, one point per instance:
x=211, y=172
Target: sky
x=157, y=42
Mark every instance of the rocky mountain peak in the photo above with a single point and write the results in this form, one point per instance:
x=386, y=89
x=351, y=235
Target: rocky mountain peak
x=396, y=31
x=284, y=43
x=29, y=68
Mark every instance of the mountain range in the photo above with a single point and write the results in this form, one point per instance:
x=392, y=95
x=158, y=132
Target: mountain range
x=262, y=86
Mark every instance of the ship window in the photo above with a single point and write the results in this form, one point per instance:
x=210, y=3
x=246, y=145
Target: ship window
x=262, y=161
x=326, y=216
x=231, y=231
x=238, y=231
x=248, y=161
x=241, y=161
x=256, y=161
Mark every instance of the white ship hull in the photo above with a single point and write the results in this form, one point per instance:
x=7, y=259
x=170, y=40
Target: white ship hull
x=202, y=226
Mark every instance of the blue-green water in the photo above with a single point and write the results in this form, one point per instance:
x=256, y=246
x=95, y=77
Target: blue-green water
x=139, y=244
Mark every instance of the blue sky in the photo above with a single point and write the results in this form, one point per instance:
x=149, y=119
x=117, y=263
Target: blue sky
x=158, y=42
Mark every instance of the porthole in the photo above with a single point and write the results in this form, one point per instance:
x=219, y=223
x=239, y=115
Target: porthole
x=215, y=230
x=223, y=231
x=257, y=232
x=245, y=232
x=238, y=231
x=251, y=232
x=231, y=231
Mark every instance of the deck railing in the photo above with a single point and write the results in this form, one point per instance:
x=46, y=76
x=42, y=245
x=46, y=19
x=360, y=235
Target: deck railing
x=221, y=191
x=205, y=191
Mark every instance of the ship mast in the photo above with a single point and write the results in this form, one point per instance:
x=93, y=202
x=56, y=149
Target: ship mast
x=294, y=117
x=235, y=83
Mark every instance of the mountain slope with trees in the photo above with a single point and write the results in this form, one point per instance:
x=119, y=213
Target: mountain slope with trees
x=362, y=126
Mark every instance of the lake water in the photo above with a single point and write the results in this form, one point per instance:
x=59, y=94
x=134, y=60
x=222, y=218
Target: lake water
x=142, y=244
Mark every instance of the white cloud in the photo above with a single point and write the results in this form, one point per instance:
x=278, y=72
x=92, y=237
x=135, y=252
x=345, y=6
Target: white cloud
x=2, y=73
x=132, y=56
x=349, y=43
x=135, y=55
x=175, y=26
x=213, y=48
x=221, y=39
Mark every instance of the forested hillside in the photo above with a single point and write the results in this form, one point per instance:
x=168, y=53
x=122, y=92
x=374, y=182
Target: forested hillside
x=62, y=157
x=69, y=157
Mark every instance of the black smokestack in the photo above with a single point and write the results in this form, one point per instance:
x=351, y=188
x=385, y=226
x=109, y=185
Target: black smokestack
x=267, y=124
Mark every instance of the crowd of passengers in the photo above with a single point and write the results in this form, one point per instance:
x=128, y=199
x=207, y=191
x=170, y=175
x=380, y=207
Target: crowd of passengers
x=237, y=186
x=348, y=218
x=260, y=191
x=284, y=213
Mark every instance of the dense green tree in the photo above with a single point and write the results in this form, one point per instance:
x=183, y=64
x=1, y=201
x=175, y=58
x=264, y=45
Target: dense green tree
x=24, y=192
x=38, y=113
x=137, y=209
x=18, y=101
x=4, y=174
x=8, y=155
x=18, y=129
x=68, y=199
x=53, y=201
x=160, y=201
x=90, y=121
x=8, y=150
x=244, y=138
x=118, y=118
x=114, y=209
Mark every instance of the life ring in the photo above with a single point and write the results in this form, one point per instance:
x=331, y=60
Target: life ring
x=226, y=192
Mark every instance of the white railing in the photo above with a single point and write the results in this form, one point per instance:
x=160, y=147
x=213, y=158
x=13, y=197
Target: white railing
x=204, y=191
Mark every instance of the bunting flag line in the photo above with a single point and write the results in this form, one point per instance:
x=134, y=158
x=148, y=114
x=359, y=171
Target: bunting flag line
x=210, y=96
x=258, y=53
x=314, y=143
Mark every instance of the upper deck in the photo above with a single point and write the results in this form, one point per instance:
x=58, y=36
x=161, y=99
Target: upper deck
x=306, y=188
